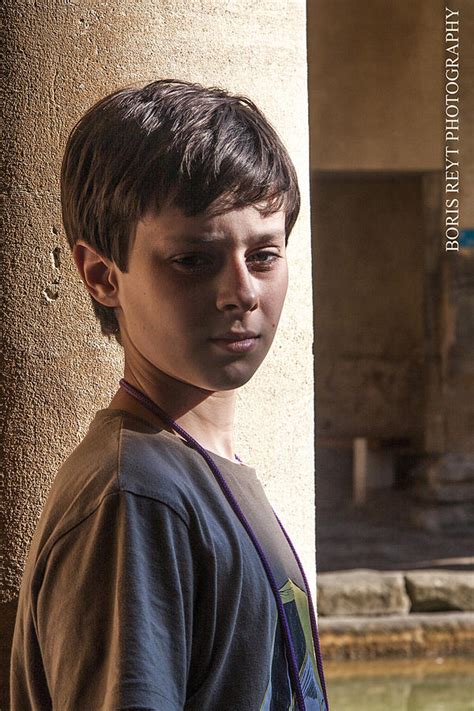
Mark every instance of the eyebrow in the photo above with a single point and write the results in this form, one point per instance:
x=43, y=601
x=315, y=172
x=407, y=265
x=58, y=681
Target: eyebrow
x=209, y=238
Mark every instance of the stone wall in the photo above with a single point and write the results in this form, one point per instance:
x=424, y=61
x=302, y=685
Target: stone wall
x=368, y=275
x=394, y=316
x=376, y=79
x=367, y=614
x=445, y=479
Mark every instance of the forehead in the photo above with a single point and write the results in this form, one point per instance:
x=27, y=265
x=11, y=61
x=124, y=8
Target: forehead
x=244, y=225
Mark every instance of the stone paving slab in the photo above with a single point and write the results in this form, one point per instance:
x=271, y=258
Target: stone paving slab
x=362, y=592
x=440, y=590
x=367, y=592
x=397, y=636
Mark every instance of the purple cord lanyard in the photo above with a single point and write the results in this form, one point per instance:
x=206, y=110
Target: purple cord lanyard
x=145, y=400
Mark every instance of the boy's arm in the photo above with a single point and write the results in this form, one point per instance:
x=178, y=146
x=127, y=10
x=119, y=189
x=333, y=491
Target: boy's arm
x=115, y=609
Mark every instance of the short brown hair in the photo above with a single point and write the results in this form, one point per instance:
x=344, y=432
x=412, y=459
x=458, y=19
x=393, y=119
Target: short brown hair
x=168, y=142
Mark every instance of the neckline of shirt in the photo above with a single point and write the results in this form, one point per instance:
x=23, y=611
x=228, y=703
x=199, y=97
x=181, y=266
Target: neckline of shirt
x=114, y=412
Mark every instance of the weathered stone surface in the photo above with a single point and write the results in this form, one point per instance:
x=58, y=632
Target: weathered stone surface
x=362, y=592
x=438, y=590
x=418, y=634
x=455, y=467
x=368, y=132
x=441, y=517
x=453, y=493
x=361, y=351
x=445, y=473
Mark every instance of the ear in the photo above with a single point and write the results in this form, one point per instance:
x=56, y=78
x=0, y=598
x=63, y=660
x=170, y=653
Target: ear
x=98, y=274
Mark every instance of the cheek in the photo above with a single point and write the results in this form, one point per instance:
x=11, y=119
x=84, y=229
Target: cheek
x=275, y=299
x=279, y=290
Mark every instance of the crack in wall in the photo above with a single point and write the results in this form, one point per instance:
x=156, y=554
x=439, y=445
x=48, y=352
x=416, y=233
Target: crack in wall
x=51, y=292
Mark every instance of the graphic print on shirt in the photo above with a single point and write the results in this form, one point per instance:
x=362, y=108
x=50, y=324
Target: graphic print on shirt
x=278, y=695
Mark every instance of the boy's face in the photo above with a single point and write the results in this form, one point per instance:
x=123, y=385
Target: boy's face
x=192, y=280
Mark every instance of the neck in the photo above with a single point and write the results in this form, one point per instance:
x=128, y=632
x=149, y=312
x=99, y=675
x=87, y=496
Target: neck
x=207, y=416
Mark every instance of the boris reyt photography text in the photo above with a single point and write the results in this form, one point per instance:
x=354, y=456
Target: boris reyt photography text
x=452, y=150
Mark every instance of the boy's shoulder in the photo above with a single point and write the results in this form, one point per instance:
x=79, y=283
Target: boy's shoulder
x=122, y=454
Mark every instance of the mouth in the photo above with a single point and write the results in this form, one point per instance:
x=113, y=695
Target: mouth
x=233, y=344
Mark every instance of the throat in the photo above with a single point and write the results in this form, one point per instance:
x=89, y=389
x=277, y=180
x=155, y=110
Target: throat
x=206, y=429
x=209, y=422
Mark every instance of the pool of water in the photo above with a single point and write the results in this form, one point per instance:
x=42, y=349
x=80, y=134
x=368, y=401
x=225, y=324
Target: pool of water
x=438, y=684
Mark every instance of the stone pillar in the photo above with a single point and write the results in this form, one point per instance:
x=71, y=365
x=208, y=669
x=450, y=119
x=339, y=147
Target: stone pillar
x=58, y=370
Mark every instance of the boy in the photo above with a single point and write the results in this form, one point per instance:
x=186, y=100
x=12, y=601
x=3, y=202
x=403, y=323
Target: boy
x=159, y=576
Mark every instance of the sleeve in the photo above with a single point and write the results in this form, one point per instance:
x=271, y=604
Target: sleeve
x=115, y=609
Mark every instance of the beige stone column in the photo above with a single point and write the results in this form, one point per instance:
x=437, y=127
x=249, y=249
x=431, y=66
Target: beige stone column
x=57, y=368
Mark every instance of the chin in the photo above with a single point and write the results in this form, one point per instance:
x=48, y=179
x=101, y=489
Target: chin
x=232, y=378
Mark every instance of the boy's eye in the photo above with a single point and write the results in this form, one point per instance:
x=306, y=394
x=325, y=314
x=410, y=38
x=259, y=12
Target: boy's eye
x=202, y=262
x=265, y=257
x=191, y=261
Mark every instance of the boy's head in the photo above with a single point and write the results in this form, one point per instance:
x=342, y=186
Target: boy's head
x=169, y=143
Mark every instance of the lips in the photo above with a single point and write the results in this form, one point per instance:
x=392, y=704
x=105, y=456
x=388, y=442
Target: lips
x=237, y=341
x=236, y=336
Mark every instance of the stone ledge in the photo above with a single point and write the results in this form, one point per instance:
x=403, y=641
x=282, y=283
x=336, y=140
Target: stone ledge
x=440, y=590
x=362, y=592
x=365, y=592
x=397, y=636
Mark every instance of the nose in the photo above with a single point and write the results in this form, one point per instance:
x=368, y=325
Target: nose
x=236, y=287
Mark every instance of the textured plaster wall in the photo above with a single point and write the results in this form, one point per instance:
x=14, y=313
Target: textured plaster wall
x=57, y=368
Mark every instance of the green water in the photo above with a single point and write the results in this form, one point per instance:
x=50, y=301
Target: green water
x=443, y=684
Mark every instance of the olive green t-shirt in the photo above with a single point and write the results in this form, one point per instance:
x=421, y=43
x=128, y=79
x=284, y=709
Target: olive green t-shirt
x=143, y=590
